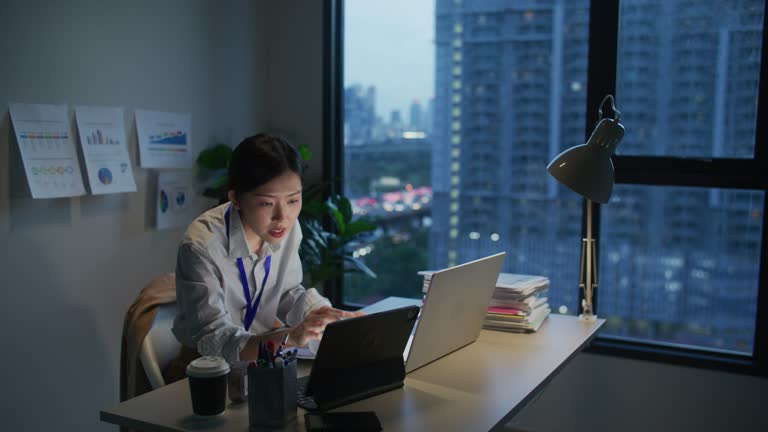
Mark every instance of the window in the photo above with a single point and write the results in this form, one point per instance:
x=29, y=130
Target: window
x=682, y=242
x=680, y=266
x=451, y=116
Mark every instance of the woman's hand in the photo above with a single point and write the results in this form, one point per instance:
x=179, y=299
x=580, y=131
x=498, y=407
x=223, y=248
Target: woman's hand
x=314, y=324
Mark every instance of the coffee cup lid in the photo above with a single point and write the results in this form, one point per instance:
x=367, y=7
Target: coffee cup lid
x=207, y=366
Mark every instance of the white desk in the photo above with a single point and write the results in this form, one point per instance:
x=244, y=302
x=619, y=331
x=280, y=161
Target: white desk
x=478, y=387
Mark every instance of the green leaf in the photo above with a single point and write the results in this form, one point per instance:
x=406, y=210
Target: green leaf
x=359, y=266
x=216, y=157
x=313, y=209
x=359, y=226
x=341, y=225
x=304, y=152
x=345, y=207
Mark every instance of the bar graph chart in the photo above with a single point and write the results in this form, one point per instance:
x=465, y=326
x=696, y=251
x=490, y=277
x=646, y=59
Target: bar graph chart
x=98, y=137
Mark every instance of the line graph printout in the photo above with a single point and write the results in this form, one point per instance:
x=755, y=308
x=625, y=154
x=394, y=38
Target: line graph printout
x=164, y=139
x=47, y=150
x=102, y=137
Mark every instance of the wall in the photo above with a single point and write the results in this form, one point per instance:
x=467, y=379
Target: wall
x=294, y=81
x=70, y=267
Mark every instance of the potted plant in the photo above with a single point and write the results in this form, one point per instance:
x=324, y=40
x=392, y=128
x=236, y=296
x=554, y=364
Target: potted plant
x=330, y=231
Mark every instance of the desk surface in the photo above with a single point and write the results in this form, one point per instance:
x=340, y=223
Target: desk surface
x=478, y=387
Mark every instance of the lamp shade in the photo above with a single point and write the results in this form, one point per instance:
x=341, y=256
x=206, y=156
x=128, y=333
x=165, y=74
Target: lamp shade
x=587, y=169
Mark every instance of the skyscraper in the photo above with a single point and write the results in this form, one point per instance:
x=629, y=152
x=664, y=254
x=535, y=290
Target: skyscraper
x=359, y=114
x=416, y=121
x=510, y=93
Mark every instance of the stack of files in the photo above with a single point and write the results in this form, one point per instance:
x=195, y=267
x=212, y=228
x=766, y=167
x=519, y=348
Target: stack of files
x=518, y=303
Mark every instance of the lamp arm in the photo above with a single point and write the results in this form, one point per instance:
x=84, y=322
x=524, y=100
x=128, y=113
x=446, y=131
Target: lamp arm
x=590, y=267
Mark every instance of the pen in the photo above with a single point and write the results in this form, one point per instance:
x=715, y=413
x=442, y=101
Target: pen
x=282, y=343
x=290, y=356
x=270, y=353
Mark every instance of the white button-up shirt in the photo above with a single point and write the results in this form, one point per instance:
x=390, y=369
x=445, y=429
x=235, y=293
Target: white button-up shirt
x=210, y=297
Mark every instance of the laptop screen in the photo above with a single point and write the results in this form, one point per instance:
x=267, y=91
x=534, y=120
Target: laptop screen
x=455, y=305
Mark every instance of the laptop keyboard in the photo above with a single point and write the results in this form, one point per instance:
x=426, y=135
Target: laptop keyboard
x=302, y=400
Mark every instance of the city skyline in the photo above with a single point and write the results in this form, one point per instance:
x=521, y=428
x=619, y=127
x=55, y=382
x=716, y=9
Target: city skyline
x=667, y=273
x=398, y=61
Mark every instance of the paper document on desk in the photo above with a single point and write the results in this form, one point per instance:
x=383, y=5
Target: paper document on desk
x=305, y=353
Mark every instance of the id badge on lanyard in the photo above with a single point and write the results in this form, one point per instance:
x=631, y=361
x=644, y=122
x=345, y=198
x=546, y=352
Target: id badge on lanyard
x=250, y=307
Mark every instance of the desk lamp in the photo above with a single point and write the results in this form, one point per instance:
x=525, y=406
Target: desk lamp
x=587, y=169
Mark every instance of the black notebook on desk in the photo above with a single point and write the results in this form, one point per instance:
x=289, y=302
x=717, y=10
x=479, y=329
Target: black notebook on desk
x=358, y=358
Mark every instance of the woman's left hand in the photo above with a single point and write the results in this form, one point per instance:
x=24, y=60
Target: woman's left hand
x=314, y=324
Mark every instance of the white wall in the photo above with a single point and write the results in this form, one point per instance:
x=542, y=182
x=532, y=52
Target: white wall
x=294, y=81
x=69, y=268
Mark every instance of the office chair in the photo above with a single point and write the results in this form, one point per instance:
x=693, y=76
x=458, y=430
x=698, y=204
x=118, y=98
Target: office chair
x=160, y=345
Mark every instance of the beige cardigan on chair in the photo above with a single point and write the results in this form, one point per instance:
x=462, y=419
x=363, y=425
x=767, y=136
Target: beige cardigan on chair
x=138, y=320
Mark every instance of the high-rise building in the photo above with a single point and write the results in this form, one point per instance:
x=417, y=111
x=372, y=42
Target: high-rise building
x=510, y=94
x=396, y=125
x=688, y=77
x=416, y=122
x=429, y=116
x=359, y=114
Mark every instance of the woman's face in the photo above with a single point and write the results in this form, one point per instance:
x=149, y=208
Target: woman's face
x=271, y=210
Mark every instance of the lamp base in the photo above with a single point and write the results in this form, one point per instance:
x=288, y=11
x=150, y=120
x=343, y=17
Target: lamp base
x=587, y=317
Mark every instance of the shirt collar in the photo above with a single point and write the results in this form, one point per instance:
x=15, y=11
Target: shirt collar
x=238, y=245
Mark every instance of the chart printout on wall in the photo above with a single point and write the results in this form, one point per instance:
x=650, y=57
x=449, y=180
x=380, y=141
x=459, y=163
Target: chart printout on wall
x=47, y=150
x=175, y=206
x=165, y=139
x=102, y=138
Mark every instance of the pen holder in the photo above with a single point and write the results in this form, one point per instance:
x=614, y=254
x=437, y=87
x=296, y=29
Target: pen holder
x=272, y=395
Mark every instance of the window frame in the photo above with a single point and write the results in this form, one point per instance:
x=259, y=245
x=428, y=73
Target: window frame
x=677, y=171
x=602, y=64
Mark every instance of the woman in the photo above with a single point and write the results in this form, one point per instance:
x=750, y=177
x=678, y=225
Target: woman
x=238, y=274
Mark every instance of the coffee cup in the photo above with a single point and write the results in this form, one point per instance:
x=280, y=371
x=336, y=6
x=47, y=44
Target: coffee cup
x=208, y=385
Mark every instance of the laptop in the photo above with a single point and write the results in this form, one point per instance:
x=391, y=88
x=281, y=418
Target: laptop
x=453, y=311
x=358, y=358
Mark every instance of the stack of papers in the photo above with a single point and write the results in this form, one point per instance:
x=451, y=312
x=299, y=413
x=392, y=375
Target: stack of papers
x=518, y=303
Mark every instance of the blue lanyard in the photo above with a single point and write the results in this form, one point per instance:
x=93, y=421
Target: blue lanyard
x=250, y=309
